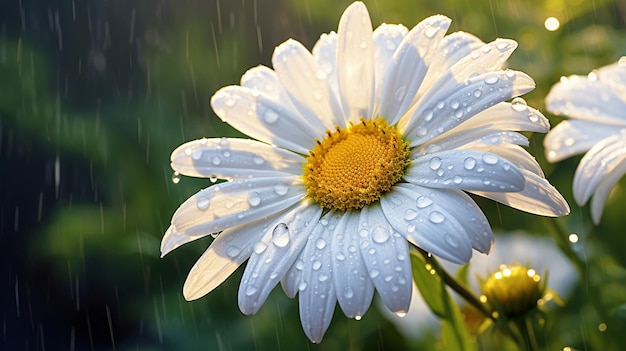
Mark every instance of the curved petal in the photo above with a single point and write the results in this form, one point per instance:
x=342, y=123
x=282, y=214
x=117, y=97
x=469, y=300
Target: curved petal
x=307, y=83
x=265, y=81
x=409, y=65
x=261, y=118
x=387, y=38
x=423, y=216
x=352, y=284
x=516, y=155
x=588, y=99
x=355, y=62
x=601, y=160
x=466, y=170
x=470, y=138
x=515, y=116
x=274, y=254
x=386, y=256
x=317, y=292
x=604, y=189
x=237, y=202
x=325, y=52
x=538, y=197
x=227, y=252
x=574, y=137
x=452, y=48
x=440, y=111
x=614, y=75
x=228, y=158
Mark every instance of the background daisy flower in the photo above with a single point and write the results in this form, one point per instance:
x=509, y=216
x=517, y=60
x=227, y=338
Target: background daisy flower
x=363, y=145
x=596, y=104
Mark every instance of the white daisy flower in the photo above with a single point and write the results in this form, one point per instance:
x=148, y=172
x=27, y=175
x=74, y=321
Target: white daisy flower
x=596, y=104
x=363, y=145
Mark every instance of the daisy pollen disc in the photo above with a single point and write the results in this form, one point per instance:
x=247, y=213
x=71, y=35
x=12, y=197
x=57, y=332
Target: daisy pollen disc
x=354, y=166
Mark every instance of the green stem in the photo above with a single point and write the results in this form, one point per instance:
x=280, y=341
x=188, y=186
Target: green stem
x=454, y=285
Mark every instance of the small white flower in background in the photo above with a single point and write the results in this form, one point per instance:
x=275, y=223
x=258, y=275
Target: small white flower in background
x=539, y=253
x=596, y=104
x=363, y=145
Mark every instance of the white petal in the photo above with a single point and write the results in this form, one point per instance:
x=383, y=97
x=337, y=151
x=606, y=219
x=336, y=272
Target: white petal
x=227, y=252
x=604, y=189
x=237, y=202
x=353, y=286
x=355, y=62
x=226, y=158
x=465, y=169
x=264, y=80
x=573, y=137
x=386, y=255
x=507, y=116
x=317, y=291
x=325, y=52
x=538, y=197
x=614, y=75
x=424, y=217
x=452, y=48
x=584, y=98
x=470, y=138
x=259, y=117
x=387, y=37
x=291, y=280
x=516, y=155
x=274, y=254
x=409, y=66
x=172, y=240
x=604, y=158
x=440, y=111
x=306, y=83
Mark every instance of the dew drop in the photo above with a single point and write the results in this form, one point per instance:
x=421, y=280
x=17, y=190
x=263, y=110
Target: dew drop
x=317, y=265
x=323, y=277
x=410, y=215
x=492, y=79
x=202, y=203
x=434, y=163
x=216, y=161
x=478, y=93
x=423, y=202
x=196, y=155
x=233, y=251
x=458, y=179
x=251, y=290
x=270, y=116
x=441, y=104
x=259, y=247
x=175, y=177
x=490, y=159
x=519, y=104
x=230, y=101
x=436, y=217
x=410, y=228
x=258, y=160
x=454, y=104
x=430, y=32
x=452, y=241
x=380, y=235
x=254, y=199
x=399, y=94
x=469, y=163
x=320, y=244
x=357, y=317
x=340, y=256
x=348, y=293
x=400, y=314
x=374, y=273
x=280, y=235
x=302, y=285
x=421, y=131
x=428, y=115
x=281, y=189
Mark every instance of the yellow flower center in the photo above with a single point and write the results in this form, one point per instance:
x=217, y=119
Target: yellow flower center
x=354, y=166
x=514, y=290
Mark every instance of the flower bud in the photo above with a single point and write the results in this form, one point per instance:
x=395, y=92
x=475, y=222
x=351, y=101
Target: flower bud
x=513, y=290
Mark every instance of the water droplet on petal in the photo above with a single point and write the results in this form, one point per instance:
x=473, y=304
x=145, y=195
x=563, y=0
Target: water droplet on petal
x=202, y=203
x=430, y=32
x=380, y=235
x=399, y=94
x=233, y=251
x=340, y=256
x=270, y=116
x=458, y=179
x=251, y=290
x=357, y=317
x=478, y=93
x=423, y=202
x=302, y=285
x=519, y=104
x=469, y=163
x=280, y=235
x=254, y=199
x=410, y=215
x=323, y=277
x=281, y=189
x=317, y=265
x=452, y=241
x=258, y=160
x=436, y=217
x=428, y=115
x=374, y=273
x=197, y=154
x=490, y=159
x=348, y=293
x=320, y=244
x=434, y=163
x=259, y=247
x=216, y=161
x=491, y=79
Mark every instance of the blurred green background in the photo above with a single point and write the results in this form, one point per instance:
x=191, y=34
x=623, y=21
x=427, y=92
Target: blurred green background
x=94, y=96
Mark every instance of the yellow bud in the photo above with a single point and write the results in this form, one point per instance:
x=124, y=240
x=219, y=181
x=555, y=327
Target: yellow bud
x=513, y=290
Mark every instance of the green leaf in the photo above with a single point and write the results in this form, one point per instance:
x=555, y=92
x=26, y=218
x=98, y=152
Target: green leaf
x=454, y=333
